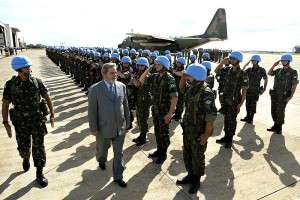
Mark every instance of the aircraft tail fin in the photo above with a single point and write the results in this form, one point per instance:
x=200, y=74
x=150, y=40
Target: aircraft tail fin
x=217, y=27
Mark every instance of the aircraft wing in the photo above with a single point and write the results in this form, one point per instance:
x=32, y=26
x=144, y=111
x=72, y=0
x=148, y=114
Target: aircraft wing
x=150, y=40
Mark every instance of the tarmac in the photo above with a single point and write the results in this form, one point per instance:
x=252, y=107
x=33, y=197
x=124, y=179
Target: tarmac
x=260, y=165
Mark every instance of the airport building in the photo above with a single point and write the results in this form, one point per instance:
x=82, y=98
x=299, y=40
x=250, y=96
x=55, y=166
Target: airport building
x=9, y=36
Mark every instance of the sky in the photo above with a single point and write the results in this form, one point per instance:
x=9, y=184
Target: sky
x=253, y=25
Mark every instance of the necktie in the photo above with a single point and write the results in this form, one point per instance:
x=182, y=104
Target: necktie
x=112, y=92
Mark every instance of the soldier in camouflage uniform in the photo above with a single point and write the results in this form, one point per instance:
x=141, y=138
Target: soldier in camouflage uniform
x=220, y=80
x=165, y=95
x=143, y=101
x=193, y=58
x=255, y=74
x=177, y=73
x=236, y=81
x=285, y=84
x=197, y=123
x=24, y=92
x=210, y=78
x=124, y=76
x=205, y=57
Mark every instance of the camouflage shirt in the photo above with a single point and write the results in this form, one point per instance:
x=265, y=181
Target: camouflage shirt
x=143, y=93
x=204, y=110
x=162, y=89
x=210, y=80
x=255, y=74
x=25, y=95
x=284, y=79
x=178, y=78
x=127, y=73
x=234, y=81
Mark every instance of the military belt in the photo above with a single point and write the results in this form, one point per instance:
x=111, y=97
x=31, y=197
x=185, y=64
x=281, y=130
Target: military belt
x=30, y=113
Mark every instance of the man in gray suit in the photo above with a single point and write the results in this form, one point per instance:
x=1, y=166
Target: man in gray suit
x=108, y=114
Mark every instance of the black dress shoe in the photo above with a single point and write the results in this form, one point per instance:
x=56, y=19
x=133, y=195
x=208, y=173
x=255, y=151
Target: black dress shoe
x=26, y=164
x=141, y=142
x=102, y=166
x=121, y=183
x=129, y=127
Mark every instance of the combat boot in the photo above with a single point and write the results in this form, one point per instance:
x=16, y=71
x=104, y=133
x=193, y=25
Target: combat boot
x=279, y=129
x=40, y=177
x=228, y=143
x=273, y=128
x=222, y=140
x=245, y=119
x=85, y=89
x=250, y=119
x=162, y=156
x=175, y=117
x=129, y=127
x=155, y=153
x=195, y=184
x=187, y=179
x=137, y=139
x=142, y=139
x=80, y=85
x=178, y=118
x=221, y=110
x=26, y=164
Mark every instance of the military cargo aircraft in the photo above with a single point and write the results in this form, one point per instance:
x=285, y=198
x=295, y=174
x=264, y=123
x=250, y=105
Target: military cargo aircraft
x=216, y=31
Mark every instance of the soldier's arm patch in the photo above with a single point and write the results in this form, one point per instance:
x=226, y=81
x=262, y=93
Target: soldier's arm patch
x=172, y=85
x=208, y=102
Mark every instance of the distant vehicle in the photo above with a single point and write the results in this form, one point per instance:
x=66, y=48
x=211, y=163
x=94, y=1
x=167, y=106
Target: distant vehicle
x=216, y=31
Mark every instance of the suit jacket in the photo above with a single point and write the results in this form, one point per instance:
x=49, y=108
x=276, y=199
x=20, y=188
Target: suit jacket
x=108, y=116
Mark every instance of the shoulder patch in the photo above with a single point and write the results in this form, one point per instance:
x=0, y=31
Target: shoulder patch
x=208, y=102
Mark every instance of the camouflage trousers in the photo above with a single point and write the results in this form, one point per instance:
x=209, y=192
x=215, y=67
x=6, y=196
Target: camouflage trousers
x=230, y=113
x=142, y=114
x=161, y=131
x=31, y=130
x=278, y=108
x=180, y=103
x=193, y=156
x=251, y=101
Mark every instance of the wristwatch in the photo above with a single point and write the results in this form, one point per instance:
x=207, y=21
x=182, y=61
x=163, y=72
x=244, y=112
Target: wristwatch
x=5, y=122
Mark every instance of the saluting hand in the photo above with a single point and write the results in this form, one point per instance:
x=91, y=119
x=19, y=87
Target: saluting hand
x=276, y=63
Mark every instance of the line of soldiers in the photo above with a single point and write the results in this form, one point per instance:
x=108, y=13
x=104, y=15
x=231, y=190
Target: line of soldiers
x=84, y=66
x=237, y=85
x=153, y=81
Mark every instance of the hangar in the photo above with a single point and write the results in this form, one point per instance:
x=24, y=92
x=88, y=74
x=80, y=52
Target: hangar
x=9, y=36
